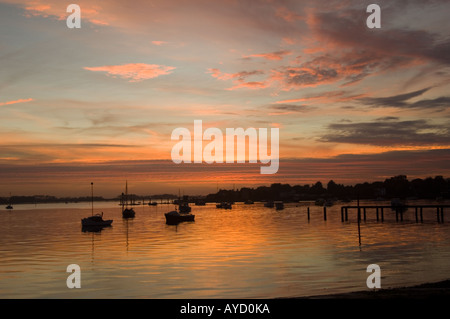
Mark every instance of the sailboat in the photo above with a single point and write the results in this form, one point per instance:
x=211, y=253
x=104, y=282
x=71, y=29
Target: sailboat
x=9, y=205
x=126, y=212
x=97, y=219
x=182, y=215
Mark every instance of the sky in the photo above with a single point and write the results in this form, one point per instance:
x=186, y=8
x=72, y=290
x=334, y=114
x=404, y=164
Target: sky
x=99, y=103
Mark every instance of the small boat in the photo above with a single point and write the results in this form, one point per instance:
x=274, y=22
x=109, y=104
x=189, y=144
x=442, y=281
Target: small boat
x=398, y=205
x=9, y=207
x=174, y=217
x=279, y=205
x=200, y=202
x=269, y=204
x=126, y=212
x=184, y=208
x=95, y=220
x=224, y=205
x=249, y=202
x=152, y=203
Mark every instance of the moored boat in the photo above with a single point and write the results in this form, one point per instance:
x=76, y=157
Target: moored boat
x=184, y=208
x=269, y=204
x=200, y=202
x=126, y=212
x=398, y=205
x=97, y=219
x=224, y=205
x=279, y=205
x=174, y=217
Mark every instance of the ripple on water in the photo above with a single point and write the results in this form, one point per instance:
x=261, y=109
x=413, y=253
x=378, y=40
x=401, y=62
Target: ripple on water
x=249, y=251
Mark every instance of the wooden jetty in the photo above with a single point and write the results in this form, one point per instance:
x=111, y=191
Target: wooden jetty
x=399, y=211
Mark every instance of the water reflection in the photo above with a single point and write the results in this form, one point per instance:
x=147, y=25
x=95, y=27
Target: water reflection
x=250, y=251
x=93, y=229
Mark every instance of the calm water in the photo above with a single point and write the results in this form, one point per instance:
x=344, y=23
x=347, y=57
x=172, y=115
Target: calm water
x=247, y=252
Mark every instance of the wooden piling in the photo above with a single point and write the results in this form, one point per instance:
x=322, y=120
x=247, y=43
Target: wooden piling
x=324, y=212
x=417, y=219
x=359, y=225
x=399, y=211
x=308, y=214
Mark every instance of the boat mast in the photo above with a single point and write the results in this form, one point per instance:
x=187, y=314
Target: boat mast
x=92, y=198
x=126, y=194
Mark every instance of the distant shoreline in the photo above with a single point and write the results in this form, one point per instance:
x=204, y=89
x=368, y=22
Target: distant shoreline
x=440, y=289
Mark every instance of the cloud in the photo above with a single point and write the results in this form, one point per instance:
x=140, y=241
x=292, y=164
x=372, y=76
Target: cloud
x=286, y=109
x=90, y=11
x=342, y=67
x=240, y=79
x=134, y=72
x=389, y=132
x=345, y=168
x=326, y=97
x=399, y=42
x=16, y=101
x=159, y=43
x=287, y=15
x=270, y=56
x=401, y=101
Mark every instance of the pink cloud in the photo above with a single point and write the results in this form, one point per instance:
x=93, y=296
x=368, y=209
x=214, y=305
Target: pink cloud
x=90, y=11
x=270, y=56
x=287, y=15
x=239, y=79
x=159, y=42
x=250, y=85
x=16, y=101
x=134, y=72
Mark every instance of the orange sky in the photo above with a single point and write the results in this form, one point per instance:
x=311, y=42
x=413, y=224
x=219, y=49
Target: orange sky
x=100, y=103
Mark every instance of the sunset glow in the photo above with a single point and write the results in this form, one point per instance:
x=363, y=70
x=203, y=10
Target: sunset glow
x=99, y=103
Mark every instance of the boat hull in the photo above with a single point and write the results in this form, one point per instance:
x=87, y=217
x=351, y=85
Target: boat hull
x=174, y=219
x=89, y=223
x=128, y=213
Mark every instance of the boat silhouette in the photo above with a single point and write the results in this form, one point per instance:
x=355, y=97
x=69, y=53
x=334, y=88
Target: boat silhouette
x=97, y=219
x=126, y=211
x=174, y=217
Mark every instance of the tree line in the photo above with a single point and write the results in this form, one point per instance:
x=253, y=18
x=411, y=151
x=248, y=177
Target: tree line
x=394, y=187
